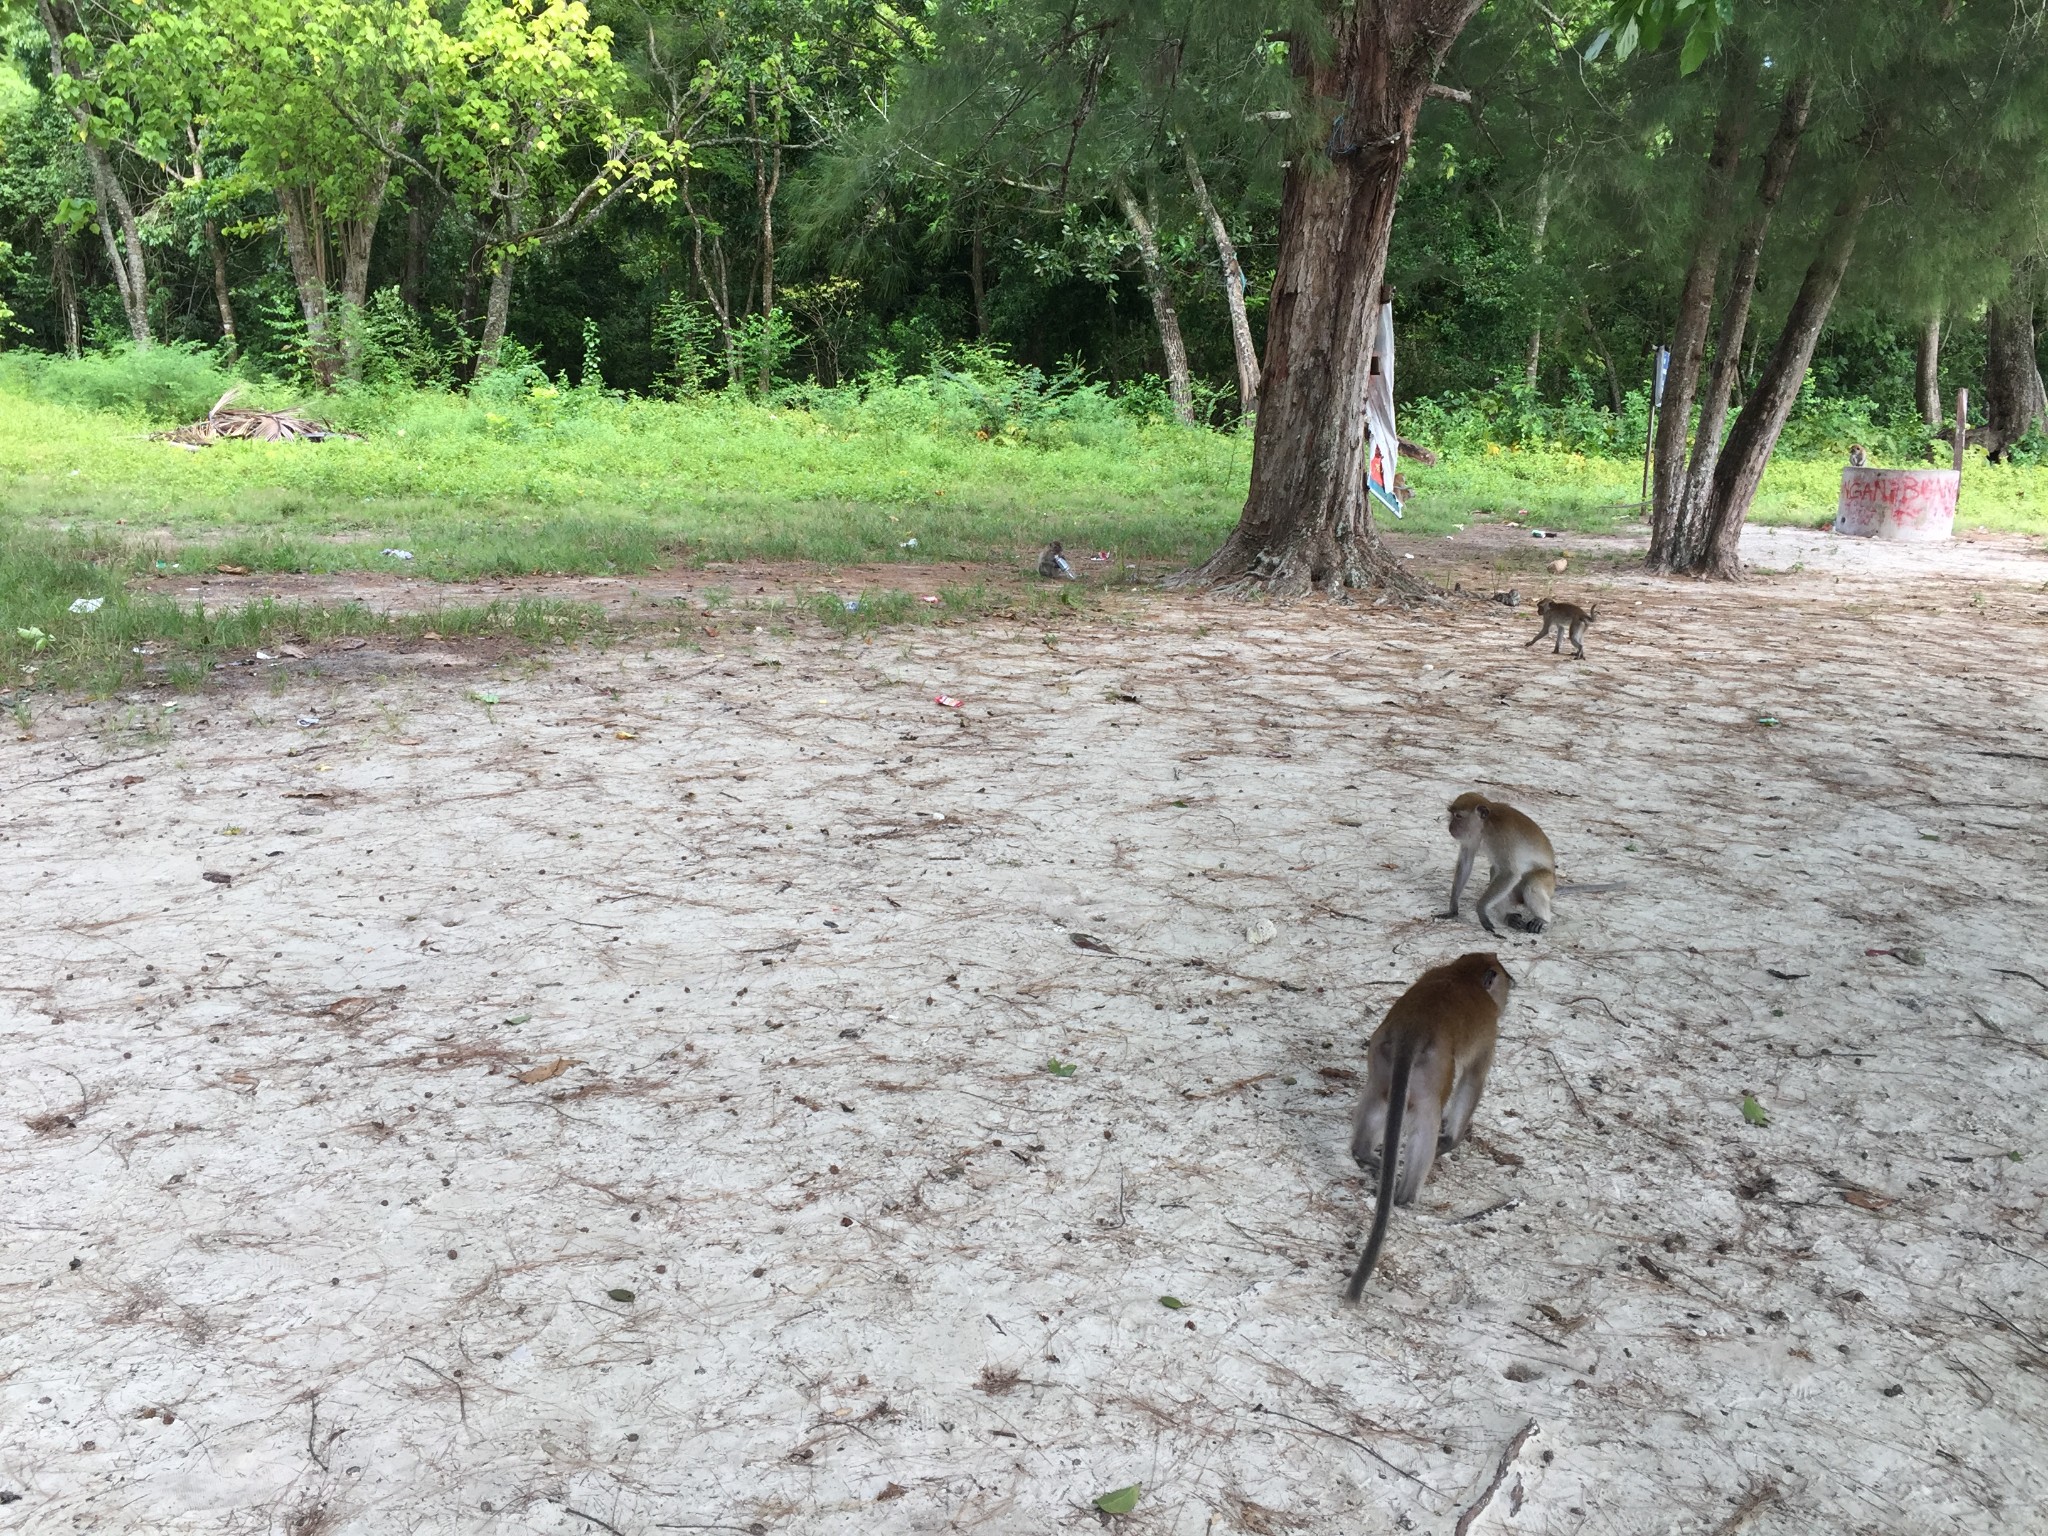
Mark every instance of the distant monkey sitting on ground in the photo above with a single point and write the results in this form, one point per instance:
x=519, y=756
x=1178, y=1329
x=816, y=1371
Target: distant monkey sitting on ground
x=1425, y=1069
x=1522, y=869
x=1052, y=563
x=1857, y=457
x=1562, y=617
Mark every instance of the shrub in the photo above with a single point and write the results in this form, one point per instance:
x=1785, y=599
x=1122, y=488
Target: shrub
x=177, y=382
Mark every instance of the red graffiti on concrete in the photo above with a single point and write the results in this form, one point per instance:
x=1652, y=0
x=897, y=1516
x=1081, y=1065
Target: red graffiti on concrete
x=1914, y=504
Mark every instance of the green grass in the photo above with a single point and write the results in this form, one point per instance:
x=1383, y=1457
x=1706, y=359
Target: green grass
x=129, y=636
x=583, y=483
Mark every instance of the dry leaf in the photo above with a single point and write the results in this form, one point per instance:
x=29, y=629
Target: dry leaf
x=548, y=1073
x=232, y=570
x=292, y=651
x=1865, y=1199
x=893, y=1491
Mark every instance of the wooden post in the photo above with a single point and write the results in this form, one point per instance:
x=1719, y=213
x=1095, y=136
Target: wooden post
x=1962, y=424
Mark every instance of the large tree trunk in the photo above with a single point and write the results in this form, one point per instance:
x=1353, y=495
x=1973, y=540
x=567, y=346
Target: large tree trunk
x=1749, y=252
x=1305, y=522
x=64, y=274
x=358, y=236
x=1689, y=332
x=124, y=250
x=421, y=213
x=1748, y=450
x=1233, y=289
x=2013, y=396
x=1178, y=384
x=1927, y=371
x=305, y=244
x=976, y=280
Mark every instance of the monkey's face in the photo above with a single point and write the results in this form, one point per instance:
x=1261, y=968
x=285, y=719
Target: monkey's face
x=1467, y=821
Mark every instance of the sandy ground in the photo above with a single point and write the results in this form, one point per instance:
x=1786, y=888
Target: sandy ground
x=623, y=1106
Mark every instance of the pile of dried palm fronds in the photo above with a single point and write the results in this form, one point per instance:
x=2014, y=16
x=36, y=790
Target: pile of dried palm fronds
x=224, y=422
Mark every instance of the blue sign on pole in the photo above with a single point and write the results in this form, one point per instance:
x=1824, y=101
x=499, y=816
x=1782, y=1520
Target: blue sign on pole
x=1663, y=367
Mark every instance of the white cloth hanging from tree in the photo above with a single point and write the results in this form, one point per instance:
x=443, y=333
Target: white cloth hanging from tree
x=1382, y=444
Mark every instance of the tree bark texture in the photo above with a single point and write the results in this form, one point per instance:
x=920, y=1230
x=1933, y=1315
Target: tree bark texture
x=116, y=212
x=1306, y=523
x=1179, y=384
x=498, y=306
x=1233, y=289
x=1749, y=252
x=1748, y=450
x=767, y=180
x=1614, y=399
x=419, y=234
x=1927, y=371
x=2013, y=395
x=976, y=279
x=305, y=244
x=223, y=296
x=64, y=274
x=1689, y=335
x=1539, y=228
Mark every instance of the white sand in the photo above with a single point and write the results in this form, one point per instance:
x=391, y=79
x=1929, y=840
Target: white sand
x=805, y=941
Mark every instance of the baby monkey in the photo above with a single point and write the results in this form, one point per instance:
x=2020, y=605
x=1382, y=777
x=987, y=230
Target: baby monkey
x=1053, y=563
x=1522, y=869
x=1562, y=617
x=1425, y=1069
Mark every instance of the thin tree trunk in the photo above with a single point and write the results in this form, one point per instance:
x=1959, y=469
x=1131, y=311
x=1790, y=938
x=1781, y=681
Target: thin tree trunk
x=1695, y=314
x=223, y=297
x=306, y=247
x=1178, y=385
x=124, y=251
x=1749, y=251
x=209, y=230
x=1614, y=399
x=1748, y=450
x=64, y=273
x=719, y=295
x=1233, y=288
x=497, y=311
x=419, y=234
x=2013, y=395
x=1306, y=523
x=977, y=281
x=358, y=235
x=1927, y=371
x=1541, y=227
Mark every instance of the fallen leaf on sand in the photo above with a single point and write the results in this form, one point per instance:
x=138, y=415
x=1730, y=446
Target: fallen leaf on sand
x=217, y=877
x=893, y=1491
x=548, y=1073
x=1089, y=941
x=232, y=570
x=1864, y=1199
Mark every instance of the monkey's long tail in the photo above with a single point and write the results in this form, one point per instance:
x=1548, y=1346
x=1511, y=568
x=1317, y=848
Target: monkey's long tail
x=1397, y=1108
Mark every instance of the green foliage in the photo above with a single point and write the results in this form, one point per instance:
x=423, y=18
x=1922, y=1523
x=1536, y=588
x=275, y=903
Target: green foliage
x=163, y=385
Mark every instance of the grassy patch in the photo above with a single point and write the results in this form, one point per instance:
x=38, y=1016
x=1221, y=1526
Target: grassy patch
x=69, y=620
x=539, y=479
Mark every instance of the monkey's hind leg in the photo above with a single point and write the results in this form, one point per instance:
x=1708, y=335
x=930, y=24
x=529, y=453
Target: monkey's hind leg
x=1418, y=1141
x=1493, y=903
x=1578, y=641
x=1463, y=1101
x=1535, y=894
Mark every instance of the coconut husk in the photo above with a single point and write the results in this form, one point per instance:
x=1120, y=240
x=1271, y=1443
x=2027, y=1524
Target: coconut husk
x=225, y=421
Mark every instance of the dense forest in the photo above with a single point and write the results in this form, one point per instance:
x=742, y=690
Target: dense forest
x=676, y=196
